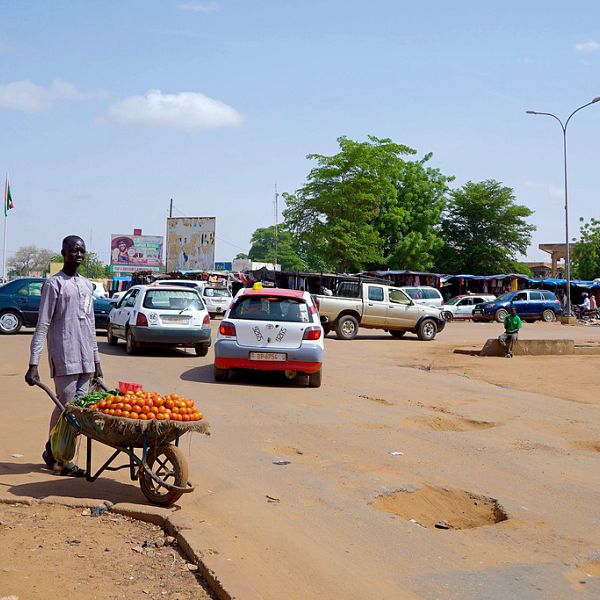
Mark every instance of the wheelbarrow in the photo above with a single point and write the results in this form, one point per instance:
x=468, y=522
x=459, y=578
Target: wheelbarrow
x=155, y=460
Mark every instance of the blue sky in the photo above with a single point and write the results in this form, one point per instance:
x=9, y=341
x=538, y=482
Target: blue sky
x=110, y=108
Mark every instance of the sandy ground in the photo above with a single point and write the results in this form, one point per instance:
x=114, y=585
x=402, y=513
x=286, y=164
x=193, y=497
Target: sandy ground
x=68, y=553
x=393, y=418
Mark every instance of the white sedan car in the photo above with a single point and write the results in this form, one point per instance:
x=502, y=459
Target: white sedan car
x=271, y=329
x=461, y=307
x=165, y=315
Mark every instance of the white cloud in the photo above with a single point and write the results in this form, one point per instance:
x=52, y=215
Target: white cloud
x=199, y=7
x=589, y=46
x=186, y=110
x=26, y=96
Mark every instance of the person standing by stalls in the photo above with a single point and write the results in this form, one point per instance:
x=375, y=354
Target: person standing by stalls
x=66, y=322
x=512, y=324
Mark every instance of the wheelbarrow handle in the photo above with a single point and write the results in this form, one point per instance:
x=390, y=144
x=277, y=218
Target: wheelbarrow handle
x=52, y=395
x=100, y=383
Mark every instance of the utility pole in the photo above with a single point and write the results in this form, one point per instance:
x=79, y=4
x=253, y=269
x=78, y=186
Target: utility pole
x=276, y=219
x=171, y=209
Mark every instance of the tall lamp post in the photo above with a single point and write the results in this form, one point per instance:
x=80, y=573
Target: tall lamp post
x=568, y=253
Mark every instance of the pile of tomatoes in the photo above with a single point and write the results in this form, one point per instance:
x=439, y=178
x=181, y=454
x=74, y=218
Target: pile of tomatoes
x=145, y=406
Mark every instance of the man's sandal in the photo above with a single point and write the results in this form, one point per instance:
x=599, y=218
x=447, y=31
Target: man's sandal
x=68, y=470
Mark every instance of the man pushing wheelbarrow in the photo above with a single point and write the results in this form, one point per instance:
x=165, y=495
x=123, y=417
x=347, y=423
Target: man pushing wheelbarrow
x=66, y=323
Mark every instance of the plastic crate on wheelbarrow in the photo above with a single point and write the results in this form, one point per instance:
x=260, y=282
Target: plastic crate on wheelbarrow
x=161, y=467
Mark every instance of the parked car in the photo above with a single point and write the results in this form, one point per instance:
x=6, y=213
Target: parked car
x=531, y=305
x=377, y=306
x=160, y=315
x=428, y=296
x=20, y=305
x=461, y=307
x=271, y=329
x=99, y=289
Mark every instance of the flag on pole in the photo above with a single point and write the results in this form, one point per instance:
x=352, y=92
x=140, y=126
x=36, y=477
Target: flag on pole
x=8, y=203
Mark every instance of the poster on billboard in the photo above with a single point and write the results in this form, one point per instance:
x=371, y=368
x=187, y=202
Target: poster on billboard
x=130, y=253
x=190, y=243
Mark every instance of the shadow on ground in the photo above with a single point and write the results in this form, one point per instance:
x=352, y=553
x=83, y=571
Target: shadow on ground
x=74, y=487
x=204, y=374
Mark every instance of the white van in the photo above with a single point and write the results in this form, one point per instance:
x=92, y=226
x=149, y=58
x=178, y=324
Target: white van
x=426, y=295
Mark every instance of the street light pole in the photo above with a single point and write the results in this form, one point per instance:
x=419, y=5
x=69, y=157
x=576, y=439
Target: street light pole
x=564, y=126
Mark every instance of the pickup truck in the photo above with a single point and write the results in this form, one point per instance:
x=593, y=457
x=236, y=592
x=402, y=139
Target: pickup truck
x=376, y=306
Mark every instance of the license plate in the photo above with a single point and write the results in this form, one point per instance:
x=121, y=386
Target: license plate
x=268, y=356
x=175, y=319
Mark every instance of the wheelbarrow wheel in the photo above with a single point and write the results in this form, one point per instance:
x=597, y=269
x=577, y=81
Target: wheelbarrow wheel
x=168, y=463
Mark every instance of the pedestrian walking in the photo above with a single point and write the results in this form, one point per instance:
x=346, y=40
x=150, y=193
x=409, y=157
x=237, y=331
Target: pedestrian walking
x=66, y=323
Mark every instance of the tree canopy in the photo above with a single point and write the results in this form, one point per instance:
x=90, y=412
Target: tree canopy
x=285, y=252
x=368, y=207
x=484, y=230
x=586, y=255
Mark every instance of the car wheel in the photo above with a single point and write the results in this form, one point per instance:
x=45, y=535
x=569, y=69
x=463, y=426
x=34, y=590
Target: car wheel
x=113, y=340
x=201, y=349
x=397, y=334
x=220, y=374
x=548, y=315
x=447, y=315
x=347, y=327
x=314, y=379
x=10, y=322
x=131, y=346
x=501, y=314
x=427, y=330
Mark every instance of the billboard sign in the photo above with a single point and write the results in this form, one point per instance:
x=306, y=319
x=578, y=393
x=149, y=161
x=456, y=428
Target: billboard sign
x=191, y=243
x=130, y=253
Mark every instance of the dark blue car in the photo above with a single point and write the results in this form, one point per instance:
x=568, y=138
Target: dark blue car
x=20, y=304
x=531, y=305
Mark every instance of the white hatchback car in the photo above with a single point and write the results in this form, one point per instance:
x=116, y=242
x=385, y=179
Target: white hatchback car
x=271, y=329
x=217, y=298
x=160, y=315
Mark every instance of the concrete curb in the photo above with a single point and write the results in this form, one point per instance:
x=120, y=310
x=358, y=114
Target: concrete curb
x=220, y=574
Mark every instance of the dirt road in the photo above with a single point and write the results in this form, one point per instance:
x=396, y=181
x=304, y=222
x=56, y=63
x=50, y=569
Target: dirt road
x=403, y=434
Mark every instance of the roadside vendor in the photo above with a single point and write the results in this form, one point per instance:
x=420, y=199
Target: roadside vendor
x=512, y=324
x=66, y=322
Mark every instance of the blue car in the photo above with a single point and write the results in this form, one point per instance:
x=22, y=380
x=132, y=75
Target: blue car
x=531, y=305
x=20, y=304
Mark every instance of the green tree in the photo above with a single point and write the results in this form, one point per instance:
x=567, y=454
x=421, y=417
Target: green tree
x=92, y=267
x=264, y=249
x=586, y=255
x=367, y=207
x=409, y=224
x=484, y=230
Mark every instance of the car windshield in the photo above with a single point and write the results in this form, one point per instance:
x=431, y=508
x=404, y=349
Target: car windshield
x=270, y=308
x=173, y=300
x=504, y=297
x=217, y=293
x=453, y=301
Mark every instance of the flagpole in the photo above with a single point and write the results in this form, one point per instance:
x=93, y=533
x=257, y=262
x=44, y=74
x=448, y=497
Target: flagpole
x=5, y=222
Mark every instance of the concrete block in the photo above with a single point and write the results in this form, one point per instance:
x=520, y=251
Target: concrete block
x=525, y=347
x=24, y=500
x=149, y=514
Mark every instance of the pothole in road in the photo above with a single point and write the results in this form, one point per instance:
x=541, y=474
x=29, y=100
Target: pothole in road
x=453, y=509
x=437, y=423
x=586, y=445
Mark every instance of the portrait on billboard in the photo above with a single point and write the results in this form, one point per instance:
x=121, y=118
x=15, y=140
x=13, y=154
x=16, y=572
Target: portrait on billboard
x=136, y=252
